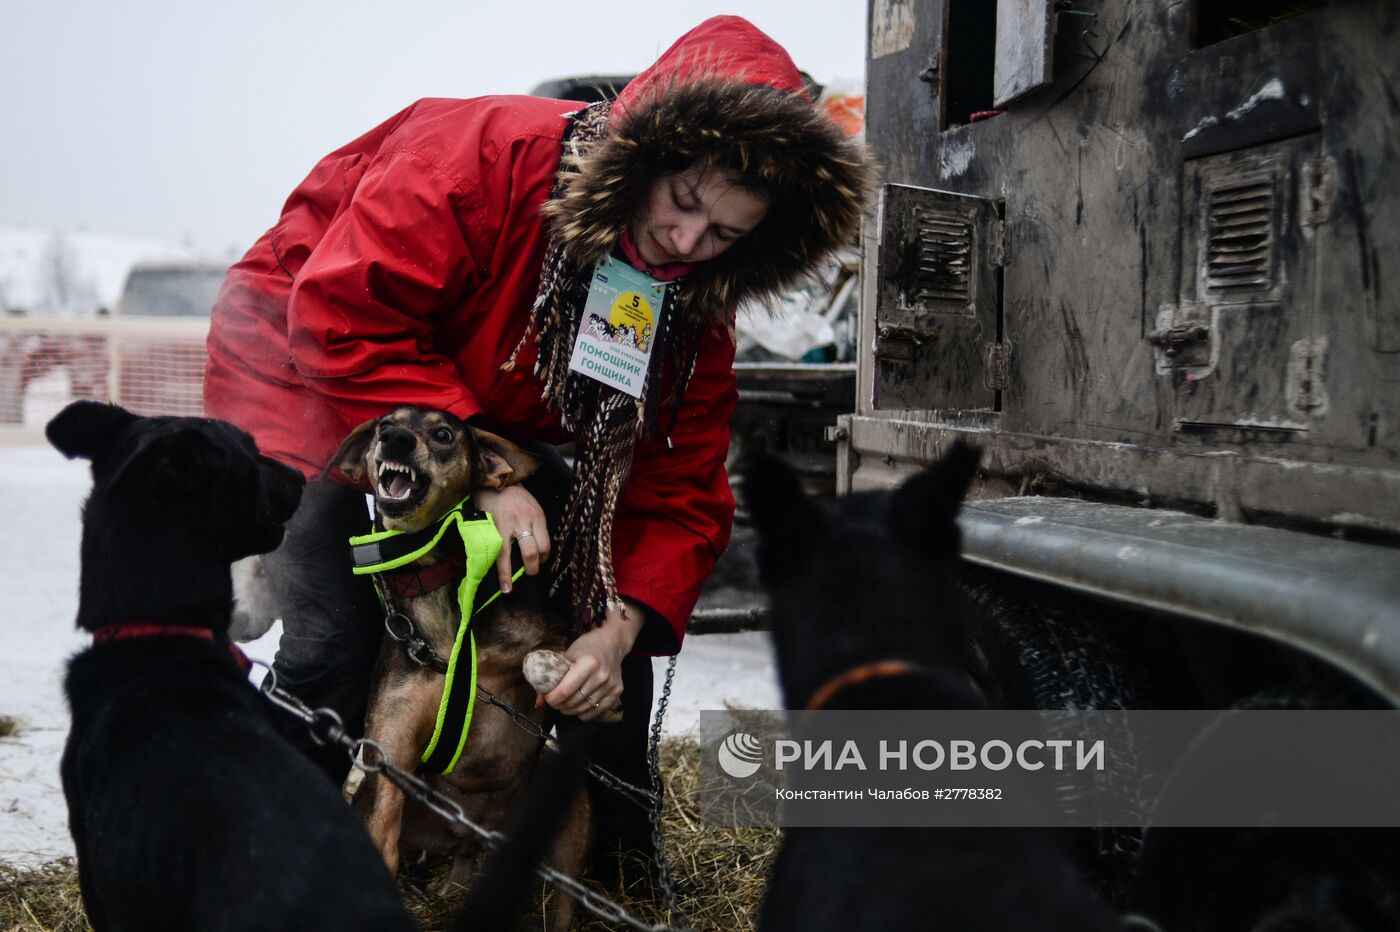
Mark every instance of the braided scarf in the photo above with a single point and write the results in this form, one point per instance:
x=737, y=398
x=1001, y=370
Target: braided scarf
x=606, y=422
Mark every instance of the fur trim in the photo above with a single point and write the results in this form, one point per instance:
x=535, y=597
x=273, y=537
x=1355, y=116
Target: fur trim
x=818, y=181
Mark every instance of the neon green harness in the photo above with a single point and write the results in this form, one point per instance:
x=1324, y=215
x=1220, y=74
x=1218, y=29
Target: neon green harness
x=382, y=551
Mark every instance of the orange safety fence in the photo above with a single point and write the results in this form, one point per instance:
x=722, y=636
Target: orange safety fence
x=150, y=366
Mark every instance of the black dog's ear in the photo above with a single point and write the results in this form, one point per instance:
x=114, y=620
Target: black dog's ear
x=924, y=510
x=502, y=462
x=350, y=458
x=787, y=521
x=84, y=428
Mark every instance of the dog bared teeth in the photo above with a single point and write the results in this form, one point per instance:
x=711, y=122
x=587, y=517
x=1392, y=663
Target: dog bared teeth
x=396, y=480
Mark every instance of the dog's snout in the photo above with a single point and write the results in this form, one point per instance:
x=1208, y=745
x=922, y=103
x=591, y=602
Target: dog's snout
x=282, y=487
x=397, y=442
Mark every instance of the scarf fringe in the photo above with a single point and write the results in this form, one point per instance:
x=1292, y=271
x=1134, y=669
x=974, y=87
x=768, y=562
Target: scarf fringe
x=607, y=422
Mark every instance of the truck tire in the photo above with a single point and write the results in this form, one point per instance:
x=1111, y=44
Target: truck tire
x=1276, y=879
x=1037, y=648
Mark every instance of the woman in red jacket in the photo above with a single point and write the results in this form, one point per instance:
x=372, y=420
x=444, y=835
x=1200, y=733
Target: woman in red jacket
x=444, y=259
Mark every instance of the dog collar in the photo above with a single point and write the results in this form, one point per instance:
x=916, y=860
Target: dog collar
x=861, y=674
x=410, y=582
x=381, y=552
x=131, y=630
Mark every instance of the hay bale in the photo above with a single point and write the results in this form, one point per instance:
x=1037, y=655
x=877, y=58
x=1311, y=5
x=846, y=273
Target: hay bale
x=720, y=871
x=41, y=899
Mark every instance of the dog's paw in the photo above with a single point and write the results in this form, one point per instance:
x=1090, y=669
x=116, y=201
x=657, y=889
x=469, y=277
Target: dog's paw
x=544, y=669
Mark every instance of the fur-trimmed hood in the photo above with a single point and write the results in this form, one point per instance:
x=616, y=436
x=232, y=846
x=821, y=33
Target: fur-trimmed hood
x=725, y=95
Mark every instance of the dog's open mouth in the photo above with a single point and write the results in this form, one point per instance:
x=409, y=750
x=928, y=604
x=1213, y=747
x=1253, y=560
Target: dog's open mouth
x=399, y=484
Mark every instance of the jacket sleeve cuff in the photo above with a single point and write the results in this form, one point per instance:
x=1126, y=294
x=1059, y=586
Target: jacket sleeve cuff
x=669, y=591
x=657, y=637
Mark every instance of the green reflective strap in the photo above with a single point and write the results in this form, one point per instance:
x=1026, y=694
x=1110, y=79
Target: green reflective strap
x=361, y=543
x=482, y=544
x=451, y=676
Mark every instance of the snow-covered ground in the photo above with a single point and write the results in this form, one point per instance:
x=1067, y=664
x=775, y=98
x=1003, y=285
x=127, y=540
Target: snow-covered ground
x=40, y=497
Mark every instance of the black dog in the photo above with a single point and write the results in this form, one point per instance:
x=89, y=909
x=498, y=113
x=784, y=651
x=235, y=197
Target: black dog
x=866, y=616
x=188, y=808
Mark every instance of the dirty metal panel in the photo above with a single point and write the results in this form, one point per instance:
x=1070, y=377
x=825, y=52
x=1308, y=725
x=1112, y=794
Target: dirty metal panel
x=884, y=452
x=936, y=304
x=1025, y=39
x=1092, y=170
x=1358, y=277
x=905, y=45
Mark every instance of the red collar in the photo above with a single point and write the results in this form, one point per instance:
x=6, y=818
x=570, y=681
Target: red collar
x=867, y=671
x=122, y=632
x=413, y=581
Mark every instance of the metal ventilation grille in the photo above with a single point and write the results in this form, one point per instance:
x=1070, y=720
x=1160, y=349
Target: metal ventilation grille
x=1240, y=237
x=944, y=259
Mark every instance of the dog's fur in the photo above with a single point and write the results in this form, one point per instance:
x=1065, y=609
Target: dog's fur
x=519, y=639
x=188, y=808
x=872, y=577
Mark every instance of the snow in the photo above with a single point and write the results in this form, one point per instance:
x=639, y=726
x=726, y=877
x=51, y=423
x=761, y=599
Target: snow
x=41, y=496
x=1272, y=90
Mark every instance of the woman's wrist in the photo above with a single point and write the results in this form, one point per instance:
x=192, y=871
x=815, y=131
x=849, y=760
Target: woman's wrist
x=625, y=625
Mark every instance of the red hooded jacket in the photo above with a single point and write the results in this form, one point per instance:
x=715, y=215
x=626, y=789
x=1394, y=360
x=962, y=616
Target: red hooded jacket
x=402, y=271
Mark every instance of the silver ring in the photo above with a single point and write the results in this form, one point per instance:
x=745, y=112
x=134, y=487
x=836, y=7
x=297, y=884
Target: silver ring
x=524, y=534
x=595, y=705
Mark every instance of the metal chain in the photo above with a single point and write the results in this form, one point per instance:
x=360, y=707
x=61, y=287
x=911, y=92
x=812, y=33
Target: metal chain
x=663, y=867
x=640, y=795
x=423, y=654
x=327, y=728
x=650, y=800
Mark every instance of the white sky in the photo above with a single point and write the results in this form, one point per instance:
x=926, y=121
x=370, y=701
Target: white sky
x=191, y=121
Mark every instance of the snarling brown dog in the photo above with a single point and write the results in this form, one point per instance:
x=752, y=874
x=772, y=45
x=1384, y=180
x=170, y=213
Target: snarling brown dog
x=419, y=465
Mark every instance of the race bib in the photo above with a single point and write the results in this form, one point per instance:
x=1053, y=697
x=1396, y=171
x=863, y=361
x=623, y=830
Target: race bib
x=620, y=320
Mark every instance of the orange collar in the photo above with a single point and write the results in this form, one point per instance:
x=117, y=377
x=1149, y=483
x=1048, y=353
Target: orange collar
x=867, y=671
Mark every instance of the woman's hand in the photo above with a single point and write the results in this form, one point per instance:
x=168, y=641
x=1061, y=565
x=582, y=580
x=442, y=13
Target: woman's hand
x=519, y=518
x=594, y=682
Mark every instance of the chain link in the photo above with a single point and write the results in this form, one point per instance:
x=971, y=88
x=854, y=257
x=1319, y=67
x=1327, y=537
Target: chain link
x=423, y=654
x=643, y=797
x=663, y=866
x=326, y=724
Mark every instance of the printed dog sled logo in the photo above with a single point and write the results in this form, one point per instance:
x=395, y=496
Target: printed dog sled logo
x=740, y=755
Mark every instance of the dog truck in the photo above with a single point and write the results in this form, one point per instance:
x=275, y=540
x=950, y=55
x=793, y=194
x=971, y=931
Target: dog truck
x=1142, y=255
